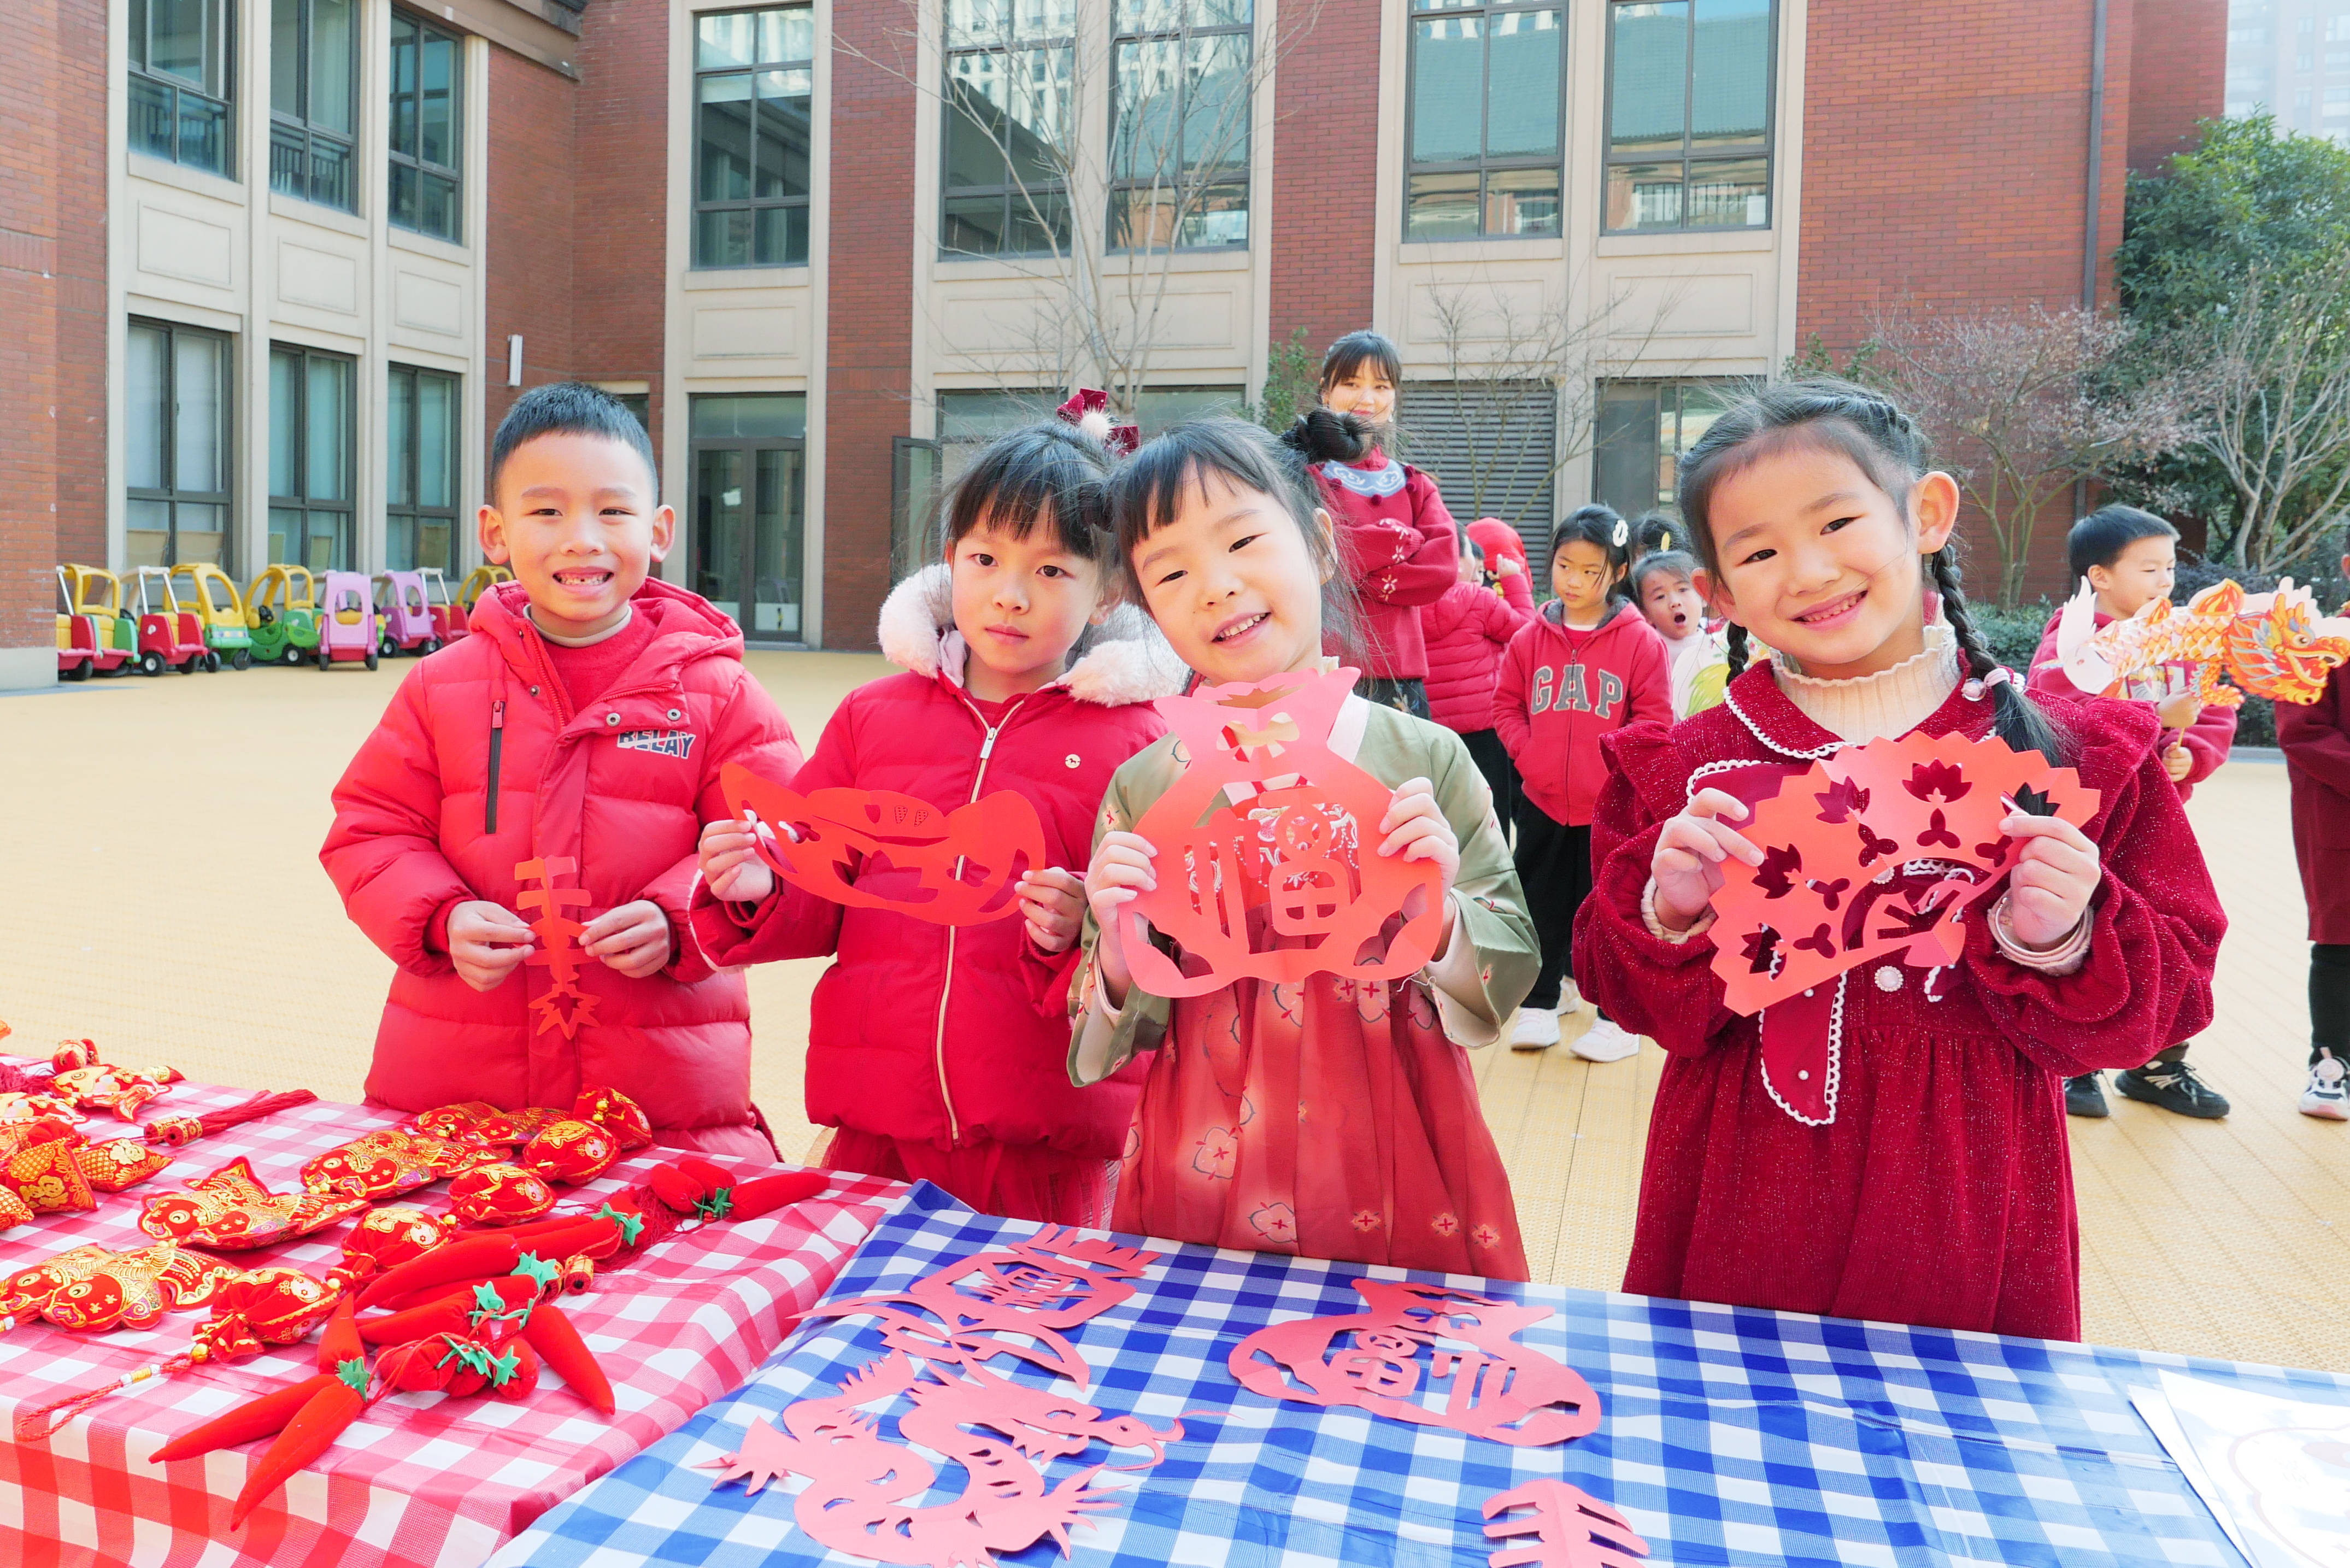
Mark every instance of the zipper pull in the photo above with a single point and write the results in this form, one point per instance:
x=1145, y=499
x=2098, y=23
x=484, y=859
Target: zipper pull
x=498, y=714
x=987, y=746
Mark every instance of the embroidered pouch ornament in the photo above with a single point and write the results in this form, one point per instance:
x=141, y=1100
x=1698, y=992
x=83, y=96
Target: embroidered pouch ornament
x=49, y=1180
x=17, y=1135
x=119, y=1163
x=572, y=1152
x=1288, y=882
x=273, y=1304
x=616, y=1113
x=120, y=1090
x=1873, y=853
x=140, y=1286
x=18, y=1106
x=386, y=1238
x=13, y=1211
x=509, y=1130
x=230, y=1210
x=388, y=1162
x=500, y=1194
x=456, y=1121
x=879, y=850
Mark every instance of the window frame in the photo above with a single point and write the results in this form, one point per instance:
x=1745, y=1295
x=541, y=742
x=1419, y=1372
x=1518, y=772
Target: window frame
x=1186, y=191
x=170, y=493
x=223, y=16
x=1481, y=165
x=1769, y=145
x=413, y=512
x=753, y=203
x=299, y=124
x=396, y=158
x=1013, y=190
x=347, y=531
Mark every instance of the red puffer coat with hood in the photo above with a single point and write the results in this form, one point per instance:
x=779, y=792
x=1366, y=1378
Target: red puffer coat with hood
x=953, y=1036
x=479, y=764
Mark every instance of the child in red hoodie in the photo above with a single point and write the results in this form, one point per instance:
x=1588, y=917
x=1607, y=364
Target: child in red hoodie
x=585, y=721
x=940, y=1052
x=2131, y=560
x=1587, y=665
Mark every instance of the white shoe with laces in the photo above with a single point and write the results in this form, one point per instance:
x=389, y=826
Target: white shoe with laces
x=1606, y=1040
x=2327, y=1097
x=1535, y=1030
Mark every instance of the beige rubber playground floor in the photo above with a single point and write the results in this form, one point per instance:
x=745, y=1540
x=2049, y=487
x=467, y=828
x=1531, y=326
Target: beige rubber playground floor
x=159, y=892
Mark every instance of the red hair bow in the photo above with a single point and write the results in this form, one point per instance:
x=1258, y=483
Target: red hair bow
x=1089, y=411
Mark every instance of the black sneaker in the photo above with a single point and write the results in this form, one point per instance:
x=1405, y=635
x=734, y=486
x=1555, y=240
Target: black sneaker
x=2085, y=1096
x=2174, y=1087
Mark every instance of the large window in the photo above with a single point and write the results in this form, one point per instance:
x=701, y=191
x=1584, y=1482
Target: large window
x=1644, y=429
x=175, y=407
x=428, y=129
x=1485, y=152
x=1157, y=407
x=1689, y=114
x=1179, y=124
x=1010, y=101
x=310, y=438
x=420, y=492
x=181, y=52
x=313, y=59
x=752, y=86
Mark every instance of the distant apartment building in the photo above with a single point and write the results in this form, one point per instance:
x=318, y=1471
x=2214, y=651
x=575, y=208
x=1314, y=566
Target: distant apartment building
x=272, y=269
x=2291, y=59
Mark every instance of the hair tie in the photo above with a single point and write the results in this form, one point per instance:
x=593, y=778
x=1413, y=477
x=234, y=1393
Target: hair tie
x=2000, y=675
x=1666, y=534
x=1089, y=410
x=1623, y=533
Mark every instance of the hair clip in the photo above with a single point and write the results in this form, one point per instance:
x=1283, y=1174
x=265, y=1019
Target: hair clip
x=1667, y=536
x=1623, y=533
x=1089, y=410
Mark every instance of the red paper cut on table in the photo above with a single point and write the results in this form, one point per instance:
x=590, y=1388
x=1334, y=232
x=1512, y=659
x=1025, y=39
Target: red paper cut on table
x=1289, y=882
x=1571, y=1529
x=859, y=1481
x=1500, y=1389
x=877, y=851
x=1875, y=853
x=556, y=949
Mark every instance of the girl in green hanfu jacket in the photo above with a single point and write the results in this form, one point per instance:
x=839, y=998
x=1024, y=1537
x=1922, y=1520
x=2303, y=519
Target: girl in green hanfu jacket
x=1332, y=1118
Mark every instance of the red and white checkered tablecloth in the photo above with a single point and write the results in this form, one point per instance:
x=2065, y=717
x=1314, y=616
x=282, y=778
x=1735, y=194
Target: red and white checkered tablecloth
x=421, y=1480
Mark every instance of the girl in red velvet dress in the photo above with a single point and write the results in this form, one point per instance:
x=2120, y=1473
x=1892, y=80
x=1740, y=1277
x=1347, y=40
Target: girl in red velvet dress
x=1938, y=1190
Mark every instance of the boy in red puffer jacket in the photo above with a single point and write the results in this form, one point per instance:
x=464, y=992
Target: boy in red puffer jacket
x=585, y=721
x=937, y=1052
x=1467, y=630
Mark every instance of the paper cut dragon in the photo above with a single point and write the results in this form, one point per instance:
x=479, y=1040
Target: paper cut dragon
x=2270, y=645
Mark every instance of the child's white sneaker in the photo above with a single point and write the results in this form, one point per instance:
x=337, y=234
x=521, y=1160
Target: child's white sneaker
x=1570, y=997
x=2327, y=1096
x=1606, y=1040
x=1535, y=1030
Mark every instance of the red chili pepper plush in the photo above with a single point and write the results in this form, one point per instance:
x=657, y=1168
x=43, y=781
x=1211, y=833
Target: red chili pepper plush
x=490, y=1308
x=766, y=1194
x=453, y=1264
x=311, y=1432
x=415, y=1368
x=341, y=1340
x=472, y=1365
x=259, y=1418
x=556, y=1339
x=678, y=1189
x=514, y=1375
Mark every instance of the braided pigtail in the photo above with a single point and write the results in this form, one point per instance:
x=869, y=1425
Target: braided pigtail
x=1738, y=653
x=2018, y=721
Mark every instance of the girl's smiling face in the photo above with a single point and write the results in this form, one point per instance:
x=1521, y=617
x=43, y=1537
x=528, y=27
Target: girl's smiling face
x=1365, y=391
x=1580, y=576
x=1818, y=562
x=1232, y=583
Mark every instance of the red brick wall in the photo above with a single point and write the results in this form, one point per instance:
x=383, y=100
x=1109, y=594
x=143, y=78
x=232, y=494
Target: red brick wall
x=621, y=196
x=869, y=342
x=53, y=298
x=1319, y=215
x=2179, y=70
x=530, y=281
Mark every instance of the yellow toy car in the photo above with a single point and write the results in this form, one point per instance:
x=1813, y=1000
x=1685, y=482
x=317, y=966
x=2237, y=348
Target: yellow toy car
x=218, y=607
x=90, y=637
x=281, y=613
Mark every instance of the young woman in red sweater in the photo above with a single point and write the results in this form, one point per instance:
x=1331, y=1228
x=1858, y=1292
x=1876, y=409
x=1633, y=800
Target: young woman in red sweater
x=1938, y=1189
x=1397, y=542
x=938, y=1052
x=1586, y=666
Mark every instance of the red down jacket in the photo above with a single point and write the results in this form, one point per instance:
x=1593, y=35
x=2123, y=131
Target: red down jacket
x=623, y=789
x=939, y=1034
x=1466, y=630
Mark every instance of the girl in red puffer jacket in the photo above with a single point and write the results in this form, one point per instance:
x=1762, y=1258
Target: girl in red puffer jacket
x=1467, y=631
x=940, y=1052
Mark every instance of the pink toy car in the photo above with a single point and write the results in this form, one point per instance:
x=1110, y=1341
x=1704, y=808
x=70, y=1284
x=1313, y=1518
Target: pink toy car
x=346, y=632
x=407, y=624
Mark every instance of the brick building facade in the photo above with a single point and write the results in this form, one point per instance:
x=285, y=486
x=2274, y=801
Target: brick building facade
x=802, y=240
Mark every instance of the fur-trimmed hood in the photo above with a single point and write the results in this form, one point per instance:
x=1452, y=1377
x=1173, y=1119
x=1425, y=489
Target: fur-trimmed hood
x=1124, y=660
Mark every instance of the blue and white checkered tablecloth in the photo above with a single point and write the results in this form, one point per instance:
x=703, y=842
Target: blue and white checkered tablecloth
x=1729, y=1437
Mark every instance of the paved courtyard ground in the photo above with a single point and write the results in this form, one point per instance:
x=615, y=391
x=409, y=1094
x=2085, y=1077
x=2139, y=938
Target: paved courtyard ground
x=160, y=891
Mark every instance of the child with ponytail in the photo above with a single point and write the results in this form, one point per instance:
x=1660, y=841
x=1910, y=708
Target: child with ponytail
x=1664, y=584
x=1938, y=1189
x=1397, y=544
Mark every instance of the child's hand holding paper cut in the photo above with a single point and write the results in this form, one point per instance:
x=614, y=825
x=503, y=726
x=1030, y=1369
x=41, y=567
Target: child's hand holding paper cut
x=486, y=941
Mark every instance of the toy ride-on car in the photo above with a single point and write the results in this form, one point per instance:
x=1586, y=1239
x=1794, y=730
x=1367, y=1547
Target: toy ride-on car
x=448, y=618
x=346, y=621
x=169, y=631
x=479, y=581
x=281, y=611
x=406, y=622
x=89, y=638
x=221, y=610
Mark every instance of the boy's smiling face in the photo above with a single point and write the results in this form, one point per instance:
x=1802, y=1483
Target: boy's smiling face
x=576, y=519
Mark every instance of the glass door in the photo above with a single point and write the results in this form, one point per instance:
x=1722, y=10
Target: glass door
x=750, y=510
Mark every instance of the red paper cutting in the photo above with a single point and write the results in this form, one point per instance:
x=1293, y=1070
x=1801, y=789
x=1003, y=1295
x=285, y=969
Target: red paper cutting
x=1571, y=1527
x=1289, y=882
x=1499, y=1388
x=558, y=947
x=877, y=851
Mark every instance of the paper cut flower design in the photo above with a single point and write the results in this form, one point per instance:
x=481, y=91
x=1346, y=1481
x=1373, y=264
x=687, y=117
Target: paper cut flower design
x=1840, y=800
x=1215, y=1152
x=1276, y=1222
x=1776, y=875
x=1936, y=781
